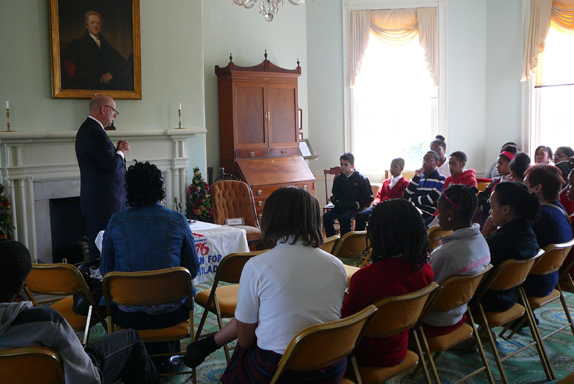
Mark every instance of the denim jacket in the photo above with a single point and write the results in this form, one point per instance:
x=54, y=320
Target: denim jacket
x=146, y=239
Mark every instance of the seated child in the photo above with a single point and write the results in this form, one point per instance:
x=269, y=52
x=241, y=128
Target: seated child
x=566, y=168
x=400, y=250
x=119, y=355
x=553, y=227
x=426, y=186
x=282, y=291
x=542, y=155
x=458, y=175
x=438, y=145
x=492, y=171
x=465, y=252
x=351, y=193
x=513, y=210
x=518, y=166
x=563, y=154
x=393, y=188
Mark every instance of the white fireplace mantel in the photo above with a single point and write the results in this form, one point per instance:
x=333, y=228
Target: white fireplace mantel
x=35, y=166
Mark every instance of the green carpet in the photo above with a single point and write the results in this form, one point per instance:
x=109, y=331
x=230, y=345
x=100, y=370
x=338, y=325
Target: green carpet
x=521, y=369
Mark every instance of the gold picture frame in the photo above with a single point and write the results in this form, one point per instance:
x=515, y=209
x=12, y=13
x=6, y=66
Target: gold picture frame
x=77, y=62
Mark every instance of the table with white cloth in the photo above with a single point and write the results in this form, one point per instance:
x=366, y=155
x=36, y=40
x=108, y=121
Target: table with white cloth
x=212, y=242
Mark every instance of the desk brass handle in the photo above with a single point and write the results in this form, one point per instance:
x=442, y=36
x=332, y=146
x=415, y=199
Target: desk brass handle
x=305, y=187
x=283, y=151
x=252, y=154
x=259, y=216
x=259, y=203
x=259, y=192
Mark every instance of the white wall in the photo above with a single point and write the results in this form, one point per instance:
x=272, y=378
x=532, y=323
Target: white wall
x=503, y=72
x=466, y=79
x=172, y=72
x=228, y=28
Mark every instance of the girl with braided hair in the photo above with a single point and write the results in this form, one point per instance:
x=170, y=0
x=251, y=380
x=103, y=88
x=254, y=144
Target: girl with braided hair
x=464, y=252
x=513, y=210
x=400, y=248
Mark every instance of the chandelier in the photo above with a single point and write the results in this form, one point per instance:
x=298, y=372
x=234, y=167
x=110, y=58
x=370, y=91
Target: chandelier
x=267, y=8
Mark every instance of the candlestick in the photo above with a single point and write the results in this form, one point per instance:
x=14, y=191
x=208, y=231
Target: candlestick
x=180, y=106
x=8, y=118
x=8, y=104
x=180, y=127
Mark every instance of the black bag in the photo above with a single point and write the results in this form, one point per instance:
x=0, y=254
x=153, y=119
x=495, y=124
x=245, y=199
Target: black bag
x=91, y=273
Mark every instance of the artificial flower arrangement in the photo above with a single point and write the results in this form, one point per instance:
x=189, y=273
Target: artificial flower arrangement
x=5, y=225
x=198, y=198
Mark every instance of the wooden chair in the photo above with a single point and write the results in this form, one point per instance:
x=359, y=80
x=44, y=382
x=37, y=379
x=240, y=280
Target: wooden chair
x=552, y=259
x=234, y=199
x=452, y=293
x=482, y=183
x=331, y=171
x=64, y=280
x=396, y=314
x=162, y=286
x=509, y=274
x=434, y=234
x=222, y=301
x=320, y=345
x=31, y=365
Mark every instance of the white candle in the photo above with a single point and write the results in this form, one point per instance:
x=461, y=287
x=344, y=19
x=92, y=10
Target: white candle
x=180, y=106
x=8, y=104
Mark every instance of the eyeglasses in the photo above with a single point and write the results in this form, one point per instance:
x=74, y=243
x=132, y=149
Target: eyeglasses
x=113, y=109
x=559, y=156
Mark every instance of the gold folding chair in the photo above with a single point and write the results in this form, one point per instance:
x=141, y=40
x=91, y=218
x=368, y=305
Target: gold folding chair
x=396, y=314
x=452, y=293
x=329, y=243
x=222, y=301
x=552, y=259
x=162, y=286
x=31, y=365
x=320, y=345
x=434, y=234
x=508, y=275
x=352, y=245
x=64, y=280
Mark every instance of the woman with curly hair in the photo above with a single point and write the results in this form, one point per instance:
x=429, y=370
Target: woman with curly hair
x=400, y=248
x=147, y=237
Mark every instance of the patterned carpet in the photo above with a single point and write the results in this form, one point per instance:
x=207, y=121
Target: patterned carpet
x=521, y=369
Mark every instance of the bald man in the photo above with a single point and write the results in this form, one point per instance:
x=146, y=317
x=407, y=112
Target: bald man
x=102, y=169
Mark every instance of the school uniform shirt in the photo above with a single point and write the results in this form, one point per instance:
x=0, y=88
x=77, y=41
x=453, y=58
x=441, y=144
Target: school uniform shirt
x=392, y=188
x=424, y=191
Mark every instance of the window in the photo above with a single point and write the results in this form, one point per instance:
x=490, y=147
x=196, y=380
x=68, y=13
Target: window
x=393, y=109
x=553, y=94
x=394, y=106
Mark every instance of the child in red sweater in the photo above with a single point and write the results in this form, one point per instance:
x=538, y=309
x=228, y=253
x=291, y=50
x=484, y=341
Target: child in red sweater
x=458, y=175
x=400, y=253
x=393, y=188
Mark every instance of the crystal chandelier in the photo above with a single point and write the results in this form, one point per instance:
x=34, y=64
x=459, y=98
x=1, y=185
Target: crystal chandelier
x=267, y=8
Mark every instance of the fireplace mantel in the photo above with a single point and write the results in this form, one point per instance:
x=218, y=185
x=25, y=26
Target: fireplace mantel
x=42, y=165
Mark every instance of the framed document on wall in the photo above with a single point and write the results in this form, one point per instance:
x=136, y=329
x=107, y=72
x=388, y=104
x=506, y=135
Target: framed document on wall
x=95, y=48
x=307, y=150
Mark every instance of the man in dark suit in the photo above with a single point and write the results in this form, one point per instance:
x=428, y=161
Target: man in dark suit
x=102, y=169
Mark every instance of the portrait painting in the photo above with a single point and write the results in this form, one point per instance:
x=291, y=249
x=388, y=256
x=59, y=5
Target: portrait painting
x=95, y=48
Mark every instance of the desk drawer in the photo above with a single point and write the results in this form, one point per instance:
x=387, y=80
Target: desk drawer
x=247, y=154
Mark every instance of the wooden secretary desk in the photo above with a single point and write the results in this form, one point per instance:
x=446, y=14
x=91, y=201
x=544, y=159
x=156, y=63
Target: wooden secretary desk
x=258, y=132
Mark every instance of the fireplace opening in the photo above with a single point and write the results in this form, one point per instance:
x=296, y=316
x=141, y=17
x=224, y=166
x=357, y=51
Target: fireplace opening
x=68, y=230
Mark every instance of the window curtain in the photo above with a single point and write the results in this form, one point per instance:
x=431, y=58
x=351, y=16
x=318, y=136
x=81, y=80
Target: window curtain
x=543, y=13
x=396, y=27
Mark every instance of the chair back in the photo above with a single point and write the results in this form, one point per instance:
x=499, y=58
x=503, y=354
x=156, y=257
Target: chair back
x=56, y=280
x=31, y=365
x=482, y=183
x=319, y=345
x=553, y=258
x=233, y=199
x=457, y=290
x=147, y=287
x=331, y=171
x=351, y=244
x=434, y=233
x=398, y=313
x=231, y=266
x=329, y=243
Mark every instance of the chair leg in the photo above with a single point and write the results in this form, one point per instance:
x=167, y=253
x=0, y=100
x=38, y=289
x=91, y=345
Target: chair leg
x=537, y=339
x=356, y=370
x=516, y=329
x=566, y=311
x=202, y=322
x=480, y=348
x=422, y=356
x=220, y=323
x=87, y=330
x=492, y=345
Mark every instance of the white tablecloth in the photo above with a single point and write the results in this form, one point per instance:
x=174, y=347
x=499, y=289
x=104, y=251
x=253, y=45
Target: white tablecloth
x=212, y=242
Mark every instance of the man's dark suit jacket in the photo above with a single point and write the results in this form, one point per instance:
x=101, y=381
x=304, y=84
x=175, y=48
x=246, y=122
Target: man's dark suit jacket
x=102, y=172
